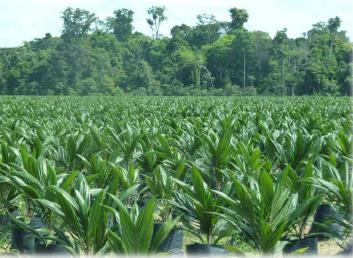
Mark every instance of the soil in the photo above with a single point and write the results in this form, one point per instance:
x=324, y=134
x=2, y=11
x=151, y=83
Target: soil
x=329, y=247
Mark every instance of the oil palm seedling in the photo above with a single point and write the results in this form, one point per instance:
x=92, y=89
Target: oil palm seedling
x=218, y=154
x=262, y=212
x=127, y=141
x=31, y=181
x=82, y=221
x=338, y=189
x=8, y=193
x=327, y=215
x=69, y=147
x=197, y=207
x=8, y=201
x=342, y=148
x=161, y=186
x=98, y=170
x=133, y=234
x=309, y=200
x=190, y=140
x=247, y=161
x=129, y=181
x=297, y=147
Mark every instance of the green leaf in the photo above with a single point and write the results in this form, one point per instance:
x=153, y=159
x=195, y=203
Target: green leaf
x=144, y=224
x=162, y=233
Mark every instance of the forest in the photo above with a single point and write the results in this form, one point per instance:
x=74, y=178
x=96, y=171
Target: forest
x=108, y=57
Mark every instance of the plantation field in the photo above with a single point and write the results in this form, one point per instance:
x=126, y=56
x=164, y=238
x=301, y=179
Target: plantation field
x=248, y=174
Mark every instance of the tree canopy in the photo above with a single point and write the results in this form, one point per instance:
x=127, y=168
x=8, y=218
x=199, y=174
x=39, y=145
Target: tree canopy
x=213, y=57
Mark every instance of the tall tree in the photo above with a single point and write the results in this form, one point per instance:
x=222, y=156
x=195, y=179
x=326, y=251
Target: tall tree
x=218, y=60
x=77, y=22
x=280, y=42
x=333, y=25
x=190, y=65
x=156, y=18
x=122, y=25
x=239, y=17
x=3, y=89
x=206, y=31
x=242, y=50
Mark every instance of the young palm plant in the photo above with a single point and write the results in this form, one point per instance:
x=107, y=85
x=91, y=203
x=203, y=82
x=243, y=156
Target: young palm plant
x=308, y=196
x=99, y=171
x=337, y=187
x=32, y=180
x=197, y=206
x=8, y=192
x=127, y=142
x=8, y=197
x=133, y=234
x=263, y=212
x=32, y=177
x=218, y=154
x=82, y=220
x=161, y=186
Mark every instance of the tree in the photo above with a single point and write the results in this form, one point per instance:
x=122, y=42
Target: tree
x=239, y=17
x=242, y=52
x=182, y=31
x=77, y=23
x=190, y=64
x=209, y=26
x=180, y=37
x=218, y=60
x=324, y=65
x=2, y=80
x=156, y=18
x=206, y=31
x=122, y=25
x=262, y=44
x=333, y=25
x=280, y=42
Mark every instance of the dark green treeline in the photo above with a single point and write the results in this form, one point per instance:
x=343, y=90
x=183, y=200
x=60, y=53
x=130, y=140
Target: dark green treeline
x=212, y=58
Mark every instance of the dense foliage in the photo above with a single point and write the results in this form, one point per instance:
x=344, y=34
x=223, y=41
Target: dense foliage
x=230, y=170
x=211, y=58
